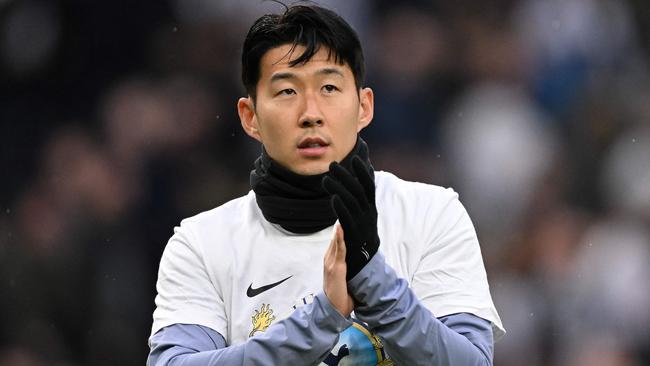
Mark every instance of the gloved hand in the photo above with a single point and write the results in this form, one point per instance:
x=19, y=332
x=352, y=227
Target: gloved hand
x=353, y=200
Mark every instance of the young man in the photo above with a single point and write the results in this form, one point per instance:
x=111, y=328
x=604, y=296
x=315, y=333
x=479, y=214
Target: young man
x=325, y=261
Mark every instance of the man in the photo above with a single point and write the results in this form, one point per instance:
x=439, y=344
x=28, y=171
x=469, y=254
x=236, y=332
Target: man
x=272, y=278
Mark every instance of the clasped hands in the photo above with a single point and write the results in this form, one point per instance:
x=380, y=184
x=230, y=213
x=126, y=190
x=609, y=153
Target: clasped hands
x=356, y=239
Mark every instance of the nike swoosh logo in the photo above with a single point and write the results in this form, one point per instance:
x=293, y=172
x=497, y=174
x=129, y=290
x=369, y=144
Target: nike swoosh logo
x=252, y=292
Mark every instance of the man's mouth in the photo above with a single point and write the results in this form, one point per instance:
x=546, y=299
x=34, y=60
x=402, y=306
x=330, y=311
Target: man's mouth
x=312, y=147
x=312, y=142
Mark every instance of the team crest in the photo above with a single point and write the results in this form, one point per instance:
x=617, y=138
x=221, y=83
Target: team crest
x=262, y=319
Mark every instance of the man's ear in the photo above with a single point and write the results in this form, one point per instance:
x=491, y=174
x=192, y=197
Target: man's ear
x=248, y=118
x=366, y=108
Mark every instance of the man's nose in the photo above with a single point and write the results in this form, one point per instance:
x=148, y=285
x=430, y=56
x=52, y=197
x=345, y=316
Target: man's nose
x=312, y=115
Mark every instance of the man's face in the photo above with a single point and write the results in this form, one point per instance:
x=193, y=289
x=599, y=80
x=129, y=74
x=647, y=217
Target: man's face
x=308, y=115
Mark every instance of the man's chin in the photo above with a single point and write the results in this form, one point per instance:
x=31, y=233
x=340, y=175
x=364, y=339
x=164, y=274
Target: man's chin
x=312, y=168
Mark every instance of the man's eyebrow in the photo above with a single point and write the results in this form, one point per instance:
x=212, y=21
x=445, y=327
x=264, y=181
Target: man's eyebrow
x=282, y=76
x=330, y=71
x=289, y=75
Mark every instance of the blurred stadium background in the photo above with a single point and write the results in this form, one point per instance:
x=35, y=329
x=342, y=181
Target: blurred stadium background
x=118, y=119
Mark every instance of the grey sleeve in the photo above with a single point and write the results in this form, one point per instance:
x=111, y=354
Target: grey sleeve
x=180, y=339
x=304, y=338
x=410, y=333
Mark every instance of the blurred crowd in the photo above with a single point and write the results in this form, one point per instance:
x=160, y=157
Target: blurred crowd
x=118, y=119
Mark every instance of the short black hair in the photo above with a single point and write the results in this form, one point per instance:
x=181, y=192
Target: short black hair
x=310, y=26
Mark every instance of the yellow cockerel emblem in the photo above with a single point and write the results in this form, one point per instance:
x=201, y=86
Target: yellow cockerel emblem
x=262, y=319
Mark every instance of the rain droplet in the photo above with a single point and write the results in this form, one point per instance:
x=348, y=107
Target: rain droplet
x=591, y=244
x=175, y=29
x=8, y=211
x=633, y=140
x=532, y=314
x=218, y=116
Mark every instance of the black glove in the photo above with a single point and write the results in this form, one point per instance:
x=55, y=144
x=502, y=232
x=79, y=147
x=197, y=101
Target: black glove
x=353, y=200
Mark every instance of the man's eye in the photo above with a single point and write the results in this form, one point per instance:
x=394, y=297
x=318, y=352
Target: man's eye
x=286, y=92
x=330, y=88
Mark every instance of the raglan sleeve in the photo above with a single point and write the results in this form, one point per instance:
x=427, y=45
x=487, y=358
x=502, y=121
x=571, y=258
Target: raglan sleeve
x=186, y=295
x=450, y=277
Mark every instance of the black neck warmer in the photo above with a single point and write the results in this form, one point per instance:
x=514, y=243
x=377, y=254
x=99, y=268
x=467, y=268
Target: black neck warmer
x=297, y=202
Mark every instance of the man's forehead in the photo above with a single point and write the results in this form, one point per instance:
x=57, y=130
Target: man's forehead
x=282, y=56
